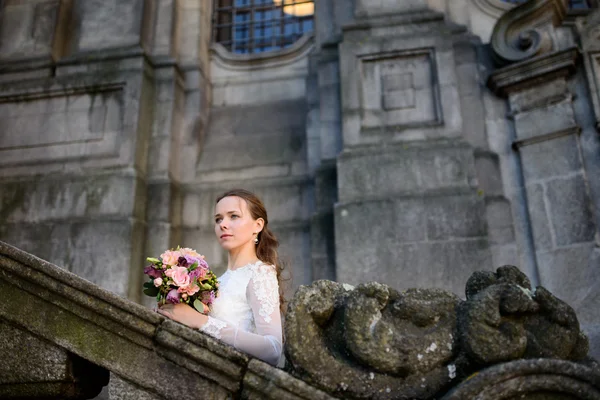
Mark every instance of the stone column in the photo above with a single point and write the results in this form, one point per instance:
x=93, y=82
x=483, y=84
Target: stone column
x=330, y=16
x=177, y=41
x=409, y=211
x=554, y=139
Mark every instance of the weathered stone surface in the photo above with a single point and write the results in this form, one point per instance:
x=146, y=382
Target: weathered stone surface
x=33, y=368
x=371, y=341
x=121, y=389
x=570, y=213
x=503, y=320
x=106, y=24
x=404, y=169
x=400, y=338
x=532, y=379
x=551, y=158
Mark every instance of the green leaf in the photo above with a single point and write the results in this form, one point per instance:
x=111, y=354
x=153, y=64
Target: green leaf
x=194, y=266
x=153, y=260
x=198, y=305
x=149, y=285
x=151, y=291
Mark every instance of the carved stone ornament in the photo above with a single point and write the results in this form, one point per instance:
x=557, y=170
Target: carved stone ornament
x=527, y=30
x=373, y=342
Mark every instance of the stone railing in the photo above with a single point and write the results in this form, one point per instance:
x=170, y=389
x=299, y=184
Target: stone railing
x=62, y=337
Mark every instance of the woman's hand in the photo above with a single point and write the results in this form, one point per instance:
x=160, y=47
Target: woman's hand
x=183, y=314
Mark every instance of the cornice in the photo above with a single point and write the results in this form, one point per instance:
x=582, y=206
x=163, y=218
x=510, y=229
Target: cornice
x=286, y=56
x=527, y=73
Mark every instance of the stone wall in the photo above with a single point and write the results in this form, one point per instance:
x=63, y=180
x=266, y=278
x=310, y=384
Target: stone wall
x=379, y=145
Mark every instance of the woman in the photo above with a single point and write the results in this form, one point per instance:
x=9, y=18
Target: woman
x=246, y=314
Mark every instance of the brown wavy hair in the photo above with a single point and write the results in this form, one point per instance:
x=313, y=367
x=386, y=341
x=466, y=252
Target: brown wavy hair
x=266, y=249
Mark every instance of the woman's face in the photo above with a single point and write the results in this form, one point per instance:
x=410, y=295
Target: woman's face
x=234, y=225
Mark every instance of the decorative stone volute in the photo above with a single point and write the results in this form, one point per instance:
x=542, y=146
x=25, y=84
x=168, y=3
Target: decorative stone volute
x=373, y=342
x=527, y=30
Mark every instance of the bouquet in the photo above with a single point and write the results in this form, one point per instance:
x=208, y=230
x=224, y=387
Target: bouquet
x=181, y=276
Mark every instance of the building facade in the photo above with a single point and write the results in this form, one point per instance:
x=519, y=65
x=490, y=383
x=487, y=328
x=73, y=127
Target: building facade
x=406, y=142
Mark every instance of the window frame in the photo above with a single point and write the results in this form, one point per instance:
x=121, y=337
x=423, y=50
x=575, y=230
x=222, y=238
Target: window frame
x=225, y=26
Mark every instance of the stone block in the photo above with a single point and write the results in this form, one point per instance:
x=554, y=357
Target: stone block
x=593, y=333
x=570, y=210
x=399, y=90
x=294, y=250
x=73, y=126
x=240, y=138
x=28, y=359
x=539, y=96
x=121, y=389
x=452, y=217
x=331, y=139
x=158, y=37
x=27, y=28
x=259, y=92
x=473, y=121
x=92, y=196
x=499, y=221
x=34, y=368
x=370, y=8
x=506, y=254
x=551, y=158
x=329, y=73
x=571, y=274
x=106, y=24
x=540, y=121
x=540, y=224
x=403, y=169
x=329, y=103
x=489, y=177
x=379, y=257
x=107, y=253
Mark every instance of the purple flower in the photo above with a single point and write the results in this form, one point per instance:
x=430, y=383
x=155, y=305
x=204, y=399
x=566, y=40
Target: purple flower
x=208, y=297
x=198, y=273
x=173, y=296
x=152, y=272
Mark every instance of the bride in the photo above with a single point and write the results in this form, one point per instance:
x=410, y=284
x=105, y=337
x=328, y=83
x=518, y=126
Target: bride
x=246, y=314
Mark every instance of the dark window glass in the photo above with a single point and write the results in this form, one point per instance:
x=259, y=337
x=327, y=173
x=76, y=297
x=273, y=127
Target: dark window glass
x=255, y=26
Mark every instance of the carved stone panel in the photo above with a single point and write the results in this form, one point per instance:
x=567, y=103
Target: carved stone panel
x=108, y=24
x=399, y=90
x=27, y=28
x=56, y=127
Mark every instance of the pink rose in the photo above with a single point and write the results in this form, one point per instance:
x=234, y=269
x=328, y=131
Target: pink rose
x=189, y=290
x=170, y=257
x=179, y=275
x=186, y=251
x=158, y=282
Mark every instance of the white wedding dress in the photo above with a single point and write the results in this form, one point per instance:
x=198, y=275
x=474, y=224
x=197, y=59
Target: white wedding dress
x=246, y=313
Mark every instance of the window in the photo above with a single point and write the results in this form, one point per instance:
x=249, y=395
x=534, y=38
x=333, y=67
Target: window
x=573, y=4
x=255, y=26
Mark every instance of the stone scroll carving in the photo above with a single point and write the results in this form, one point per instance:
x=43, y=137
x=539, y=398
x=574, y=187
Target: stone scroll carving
x=527, y=30
x=373, y=342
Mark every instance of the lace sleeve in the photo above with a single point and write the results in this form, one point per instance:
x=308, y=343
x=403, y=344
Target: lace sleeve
x=214, y=327
x=262, y=294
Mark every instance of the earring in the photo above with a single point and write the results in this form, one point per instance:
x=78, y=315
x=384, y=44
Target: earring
x=256, y=240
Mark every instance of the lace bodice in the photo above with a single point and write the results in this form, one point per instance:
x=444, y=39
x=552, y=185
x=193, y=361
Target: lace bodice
x=246, y=313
